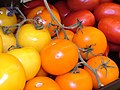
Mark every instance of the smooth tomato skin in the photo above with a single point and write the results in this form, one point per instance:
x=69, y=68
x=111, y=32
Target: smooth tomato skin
x=43, y=13
x=107, y=50
x=62, y=8
x=106, y=9
x=41, y=83
x=75, y=5
x=75, y=81
x=12, y=73
x=59, y=56
x=6, y=20
x=87, y=36
x=8, y=40
x=1, y=45
x=30, y=59
x=104, y=1
x=28, y=35
x=105, y=77
x=114, y=47
x=110, y=26
x=85, y=16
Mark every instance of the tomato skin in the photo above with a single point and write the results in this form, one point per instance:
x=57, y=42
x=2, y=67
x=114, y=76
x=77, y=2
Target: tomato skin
x=59, y=56
x=104, y=1
x=75, y=5
x=86, y=37
x=75, y=81
x=6, y=20
x=1, y=45
x=106, y=9
x=30, y=59
x=42, y=83
x=110, y=26
x=114, y=47
x=85, y=16
x=105, y=77
x=62, y=8
x=28, y=35
x=12, y=73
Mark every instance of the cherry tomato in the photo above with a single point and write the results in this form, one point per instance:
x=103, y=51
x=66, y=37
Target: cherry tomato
x=105, y=71
x=7, y=19
x=28, y=35
x=75, y=5
x=85, y=16
x=42, y=83
x=12, y=74
x=106, y=9
x=8, y=40
x=45, y=16
x=75, y=81
x=59, y=56
x=30, y=59
x=91, y=40
x=110, y=26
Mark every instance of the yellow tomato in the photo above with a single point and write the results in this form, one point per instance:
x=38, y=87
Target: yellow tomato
x=1, y=45
x=5, y=19
x=30, y=59
x=8, y=40
x=28, y=35
x=12, y=74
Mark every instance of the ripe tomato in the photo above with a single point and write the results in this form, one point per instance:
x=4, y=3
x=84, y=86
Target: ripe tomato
x=28, y=35
x=42, y=83
x=107, y=50
x=6, y=19
x=110, y=26
x=75, y=5
x=104, y=1
x=59, y=56
x=69, y=34
x=1, y=45
x=62, y=8
x=114, y=47
x=105, y=71
x=30, y=59
x=42, y=72
x=45, y=16
x=85, y=16
x=8, y=40
x=12, y=74
x=90, y=38
x=106, y=9
x=75, y=81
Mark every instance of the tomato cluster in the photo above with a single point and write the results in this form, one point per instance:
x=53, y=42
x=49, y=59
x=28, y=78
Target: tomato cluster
x=59, y=45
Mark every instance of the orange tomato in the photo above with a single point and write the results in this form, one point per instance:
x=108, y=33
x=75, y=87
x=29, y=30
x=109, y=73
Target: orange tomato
x=75, y=81
x=45, y=16
x=59, y=56
x=1, y=45
x=42, y=72
x=107, y=72
x=92, y=40
x=12, y=74
x=42, y=83
x=69, y=34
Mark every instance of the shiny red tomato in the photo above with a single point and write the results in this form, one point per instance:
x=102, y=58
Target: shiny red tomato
x=85, y=16
x=110, y=26
x=106, y=9
x=82, y=4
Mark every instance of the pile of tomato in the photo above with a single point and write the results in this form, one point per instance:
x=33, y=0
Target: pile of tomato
x=59, y=45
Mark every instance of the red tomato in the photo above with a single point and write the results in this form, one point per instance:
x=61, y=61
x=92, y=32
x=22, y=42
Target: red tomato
x=114, y=47
x=107, y=50
x=85, y=16
x=62, y=8
x=107, y=72
x=104, y=1
x=110, y=26
x=75, y=5
x=106, y=9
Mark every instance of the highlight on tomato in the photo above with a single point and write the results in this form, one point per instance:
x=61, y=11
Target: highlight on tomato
x=91, y=42
x=46, y=18
x=106, y=68
x=12, y=74
x=29, y=35
x=59, y=56
x=80, y=79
